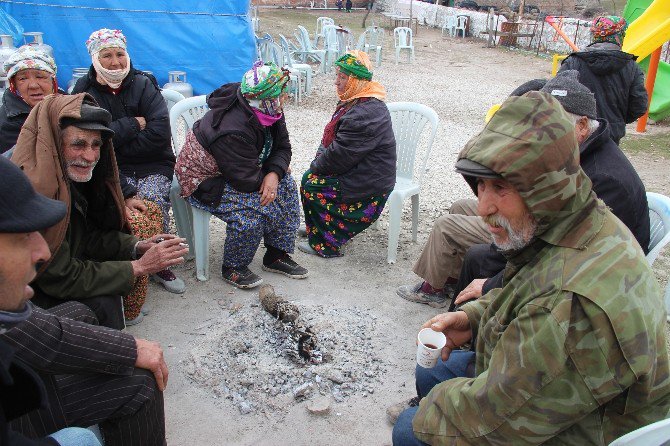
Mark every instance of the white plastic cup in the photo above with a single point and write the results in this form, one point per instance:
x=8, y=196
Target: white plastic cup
x=429, y=347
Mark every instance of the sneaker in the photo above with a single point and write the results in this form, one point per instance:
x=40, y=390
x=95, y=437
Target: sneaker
x=137, y=320
x=420, y=294
x=145, y=310
x=171, y=282
x=304, y=247
x=393, y=412
x=288, y=267
x=241, y=277
x=302, y=231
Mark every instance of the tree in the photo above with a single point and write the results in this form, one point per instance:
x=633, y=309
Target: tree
x=367, y=12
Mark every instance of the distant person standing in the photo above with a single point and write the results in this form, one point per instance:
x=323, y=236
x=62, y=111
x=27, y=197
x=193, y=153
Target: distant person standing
x=349, y=5
x=611, y=74
x=339, y=5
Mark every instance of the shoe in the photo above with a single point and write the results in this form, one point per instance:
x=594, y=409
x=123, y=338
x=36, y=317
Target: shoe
x=241, y=277
x=393, y=412
x=417, y=293
x=302, y=231
x=145, y=310
x=171, y=282
x=288, y=267
x=137, y=320
x=304, y=247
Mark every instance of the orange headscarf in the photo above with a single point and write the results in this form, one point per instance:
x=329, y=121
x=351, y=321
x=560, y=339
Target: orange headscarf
x=360, y=88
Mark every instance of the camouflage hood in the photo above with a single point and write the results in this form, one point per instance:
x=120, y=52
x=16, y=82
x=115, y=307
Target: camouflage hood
x=531, y=143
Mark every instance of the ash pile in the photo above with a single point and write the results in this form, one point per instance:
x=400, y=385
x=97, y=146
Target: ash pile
x=270, y=354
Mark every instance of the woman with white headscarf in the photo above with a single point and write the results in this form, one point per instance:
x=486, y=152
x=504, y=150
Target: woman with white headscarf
x=140, y=122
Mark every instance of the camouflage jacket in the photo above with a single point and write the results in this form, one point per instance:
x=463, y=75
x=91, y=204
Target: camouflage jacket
x=572, y=349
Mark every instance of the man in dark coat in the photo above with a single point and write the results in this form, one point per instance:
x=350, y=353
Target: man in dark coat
x=611, y=74
x=614, y=179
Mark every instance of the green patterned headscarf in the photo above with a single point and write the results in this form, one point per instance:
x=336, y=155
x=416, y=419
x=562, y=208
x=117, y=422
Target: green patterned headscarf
x=264, y=81
x=351, y=66
x=609, y=28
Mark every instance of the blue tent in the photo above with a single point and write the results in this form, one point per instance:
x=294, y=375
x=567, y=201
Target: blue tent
x=211, y=40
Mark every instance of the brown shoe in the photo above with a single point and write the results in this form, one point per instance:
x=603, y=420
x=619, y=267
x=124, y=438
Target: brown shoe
x=393, y=412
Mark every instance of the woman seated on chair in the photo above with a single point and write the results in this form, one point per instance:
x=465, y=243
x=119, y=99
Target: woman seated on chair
x=353, y=173
x=140, y=123
x=235, y=165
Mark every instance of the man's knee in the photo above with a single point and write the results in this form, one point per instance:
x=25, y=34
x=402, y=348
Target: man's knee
x=466, y=206
x=76, y=311
x=403, y=434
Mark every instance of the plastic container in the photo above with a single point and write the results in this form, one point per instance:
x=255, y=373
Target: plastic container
x=7, y=48
x=177, y=82
x=36, y=40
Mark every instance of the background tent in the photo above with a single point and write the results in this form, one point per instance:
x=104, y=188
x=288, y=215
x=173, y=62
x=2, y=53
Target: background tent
x=211, y=40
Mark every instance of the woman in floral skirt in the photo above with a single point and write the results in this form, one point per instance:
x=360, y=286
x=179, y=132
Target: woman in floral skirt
x=353, y=173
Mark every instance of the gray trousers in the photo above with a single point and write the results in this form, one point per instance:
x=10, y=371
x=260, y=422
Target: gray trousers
x=452, y=235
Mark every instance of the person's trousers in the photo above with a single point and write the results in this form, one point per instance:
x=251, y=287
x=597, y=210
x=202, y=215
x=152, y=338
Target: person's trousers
x=461, y=363
x=247, y=222
x=482, y=261
x=451, y=236
x=108, y=309
x=75, y=436
x=155, y=188
x=128, y=409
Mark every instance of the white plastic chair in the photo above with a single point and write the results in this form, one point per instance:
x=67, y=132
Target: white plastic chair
x=449, y=25
x=462, y=24
x=402, y=38
x=192, y=223
x=371, y=40
x=331, y=45
x=321, y=23
x=305, y=68
x=171, y=97
x=659, y=233
x=307, y=51
x=655, y=434
x=409, y=120
x=269, y=51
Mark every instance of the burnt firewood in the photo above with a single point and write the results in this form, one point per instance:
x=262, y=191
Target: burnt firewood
x=277, y=305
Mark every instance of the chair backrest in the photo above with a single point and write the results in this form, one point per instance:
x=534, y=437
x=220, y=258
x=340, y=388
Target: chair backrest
x=376, y=36
x=449, y=21
x=263, y=47
x=182, y=116
x=659, y=219
x=345, y=40
x=171, y=97
x=302, y=36
x=409, y=120
x=402, y=37
x=321, y=22
x=330, y=38
x=652, y=435
x=288, y=59
x=462, y=22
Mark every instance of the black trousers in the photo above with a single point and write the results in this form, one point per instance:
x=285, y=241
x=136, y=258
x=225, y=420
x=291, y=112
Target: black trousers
x=128, y=409
x=480, y=261
x=108, y=309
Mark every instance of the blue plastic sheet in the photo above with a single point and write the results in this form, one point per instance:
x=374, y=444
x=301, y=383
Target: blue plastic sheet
x=211, y=40
x=8, y=25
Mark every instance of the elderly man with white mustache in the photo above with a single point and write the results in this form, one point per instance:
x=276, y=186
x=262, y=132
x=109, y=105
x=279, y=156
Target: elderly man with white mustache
x=65, y=149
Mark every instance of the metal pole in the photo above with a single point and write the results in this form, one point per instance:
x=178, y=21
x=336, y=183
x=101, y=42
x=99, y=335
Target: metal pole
x=649, y=85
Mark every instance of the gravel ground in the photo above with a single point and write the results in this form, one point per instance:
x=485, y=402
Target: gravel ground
x=231, y=380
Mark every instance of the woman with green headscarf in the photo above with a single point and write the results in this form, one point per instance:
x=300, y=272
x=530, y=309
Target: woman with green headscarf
x=235, y=165
x=349, y=181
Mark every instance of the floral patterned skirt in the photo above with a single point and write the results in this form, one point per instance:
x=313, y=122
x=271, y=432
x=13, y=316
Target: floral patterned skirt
x=330, y=222
x=143, y=226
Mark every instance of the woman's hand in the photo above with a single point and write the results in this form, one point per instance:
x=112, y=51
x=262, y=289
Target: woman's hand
x=268, y=188
x=141, y=121
x=134, y=206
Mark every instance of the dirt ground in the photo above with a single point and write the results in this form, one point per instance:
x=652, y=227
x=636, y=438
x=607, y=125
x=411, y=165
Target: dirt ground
x=213, y=335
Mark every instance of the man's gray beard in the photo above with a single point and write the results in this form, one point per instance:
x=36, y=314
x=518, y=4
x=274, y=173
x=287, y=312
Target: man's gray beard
x=78, y=179
x=517, y=239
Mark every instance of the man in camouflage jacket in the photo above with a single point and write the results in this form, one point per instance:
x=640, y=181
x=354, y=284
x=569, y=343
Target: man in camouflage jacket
x=572, y=349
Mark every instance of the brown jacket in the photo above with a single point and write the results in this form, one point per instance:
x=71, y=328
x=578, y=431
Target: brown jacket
x=39, y=155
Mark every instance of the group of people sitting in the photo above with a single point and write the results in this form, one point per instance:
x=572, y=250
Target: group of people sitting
x=562, y=313
x=103, y=157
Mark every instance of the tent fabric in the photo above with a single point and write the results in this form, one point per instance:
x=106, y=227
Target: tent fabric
x=212, y=41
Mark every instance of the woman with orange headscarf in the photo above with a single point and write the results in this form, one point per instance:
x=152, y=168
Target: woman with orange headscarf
x=347, y=185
